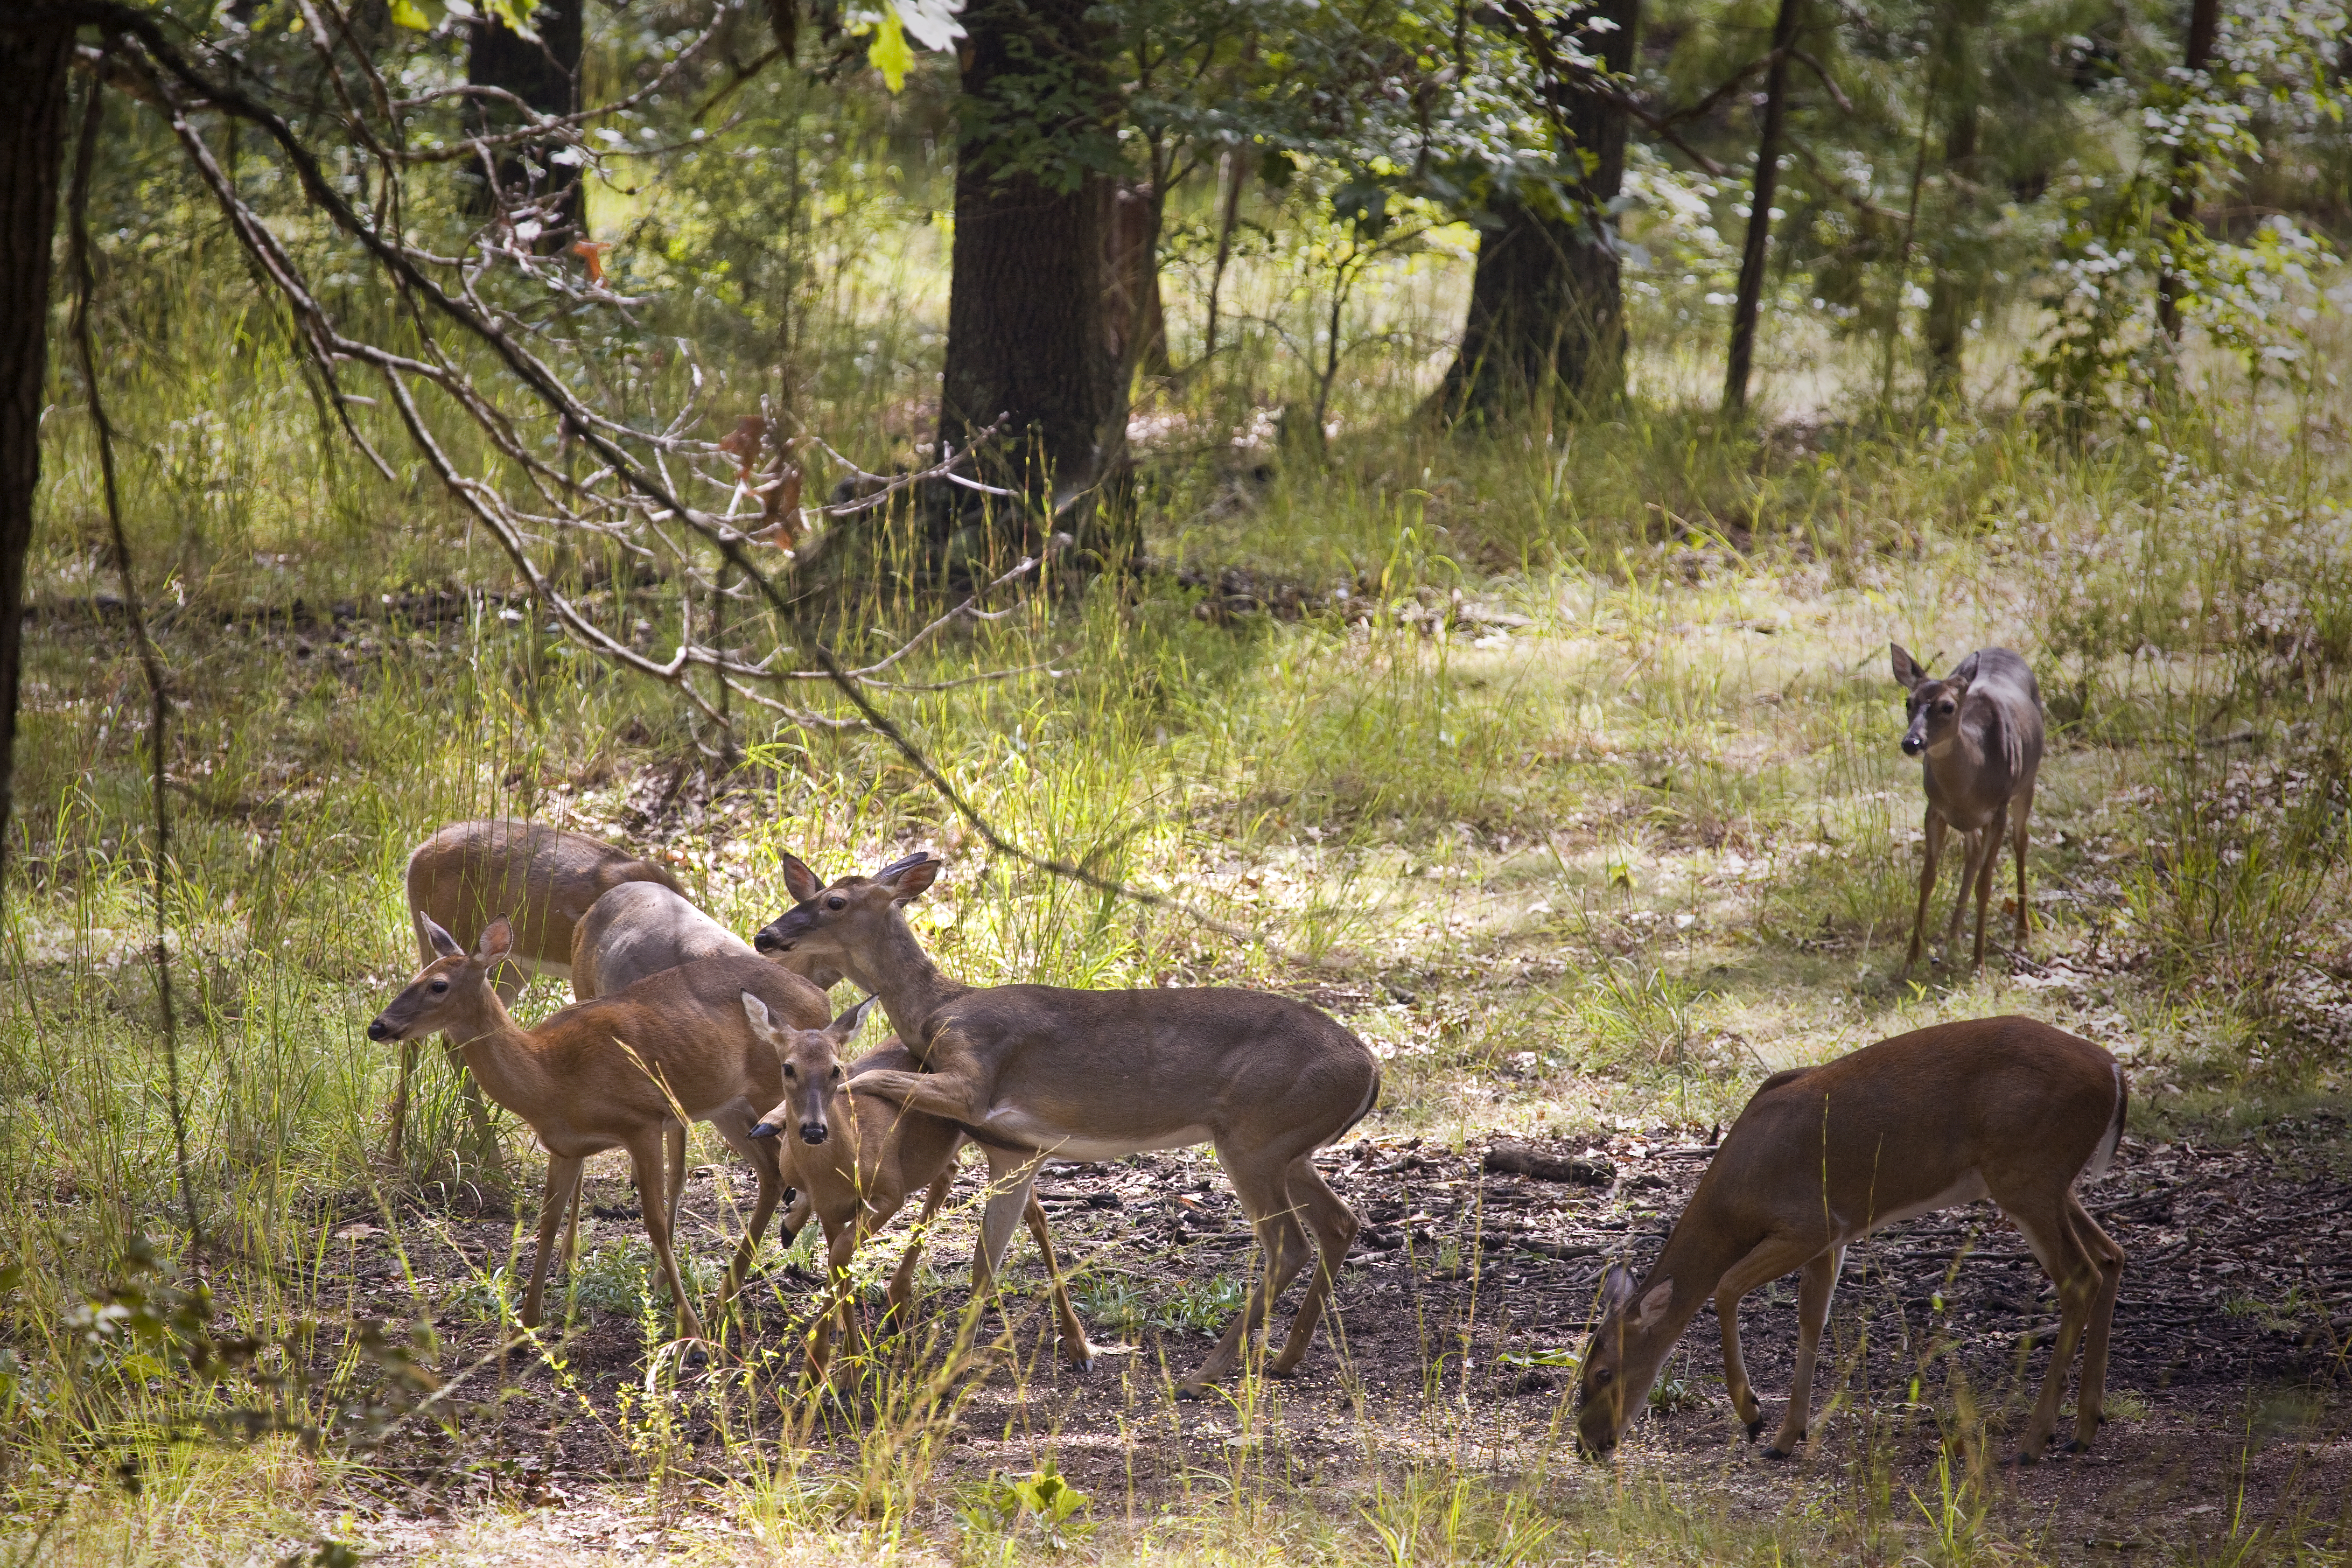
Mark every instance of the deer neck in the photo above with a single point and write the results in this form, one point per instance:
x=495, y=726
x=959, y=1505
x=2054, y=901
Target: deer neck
x=499, y=1053
x=894, y=966
x=1698, y=1256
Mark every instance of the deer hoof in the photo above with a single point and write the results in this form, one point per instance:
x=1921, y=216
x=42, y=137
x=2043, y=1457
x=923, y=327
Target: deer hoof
x=1755, y=1428
x=1191, y=1391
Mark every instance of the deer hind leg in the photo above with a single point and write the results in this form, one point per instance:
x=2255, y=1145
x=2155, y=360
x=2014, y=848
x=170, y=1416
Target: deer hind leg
x=1971, y=858
x=673, y=1158
x=1995, y=832
x=901, y=1298
x=2019, y=834
x=1932, y=856
x=2079, y=1279
x=645, y=1157
x=1074, y=1345
x=767, y=1167
x=1010, y=1175
x=1335, y=1226
x=2091, y=1393
x=1263, y=1190
x=1815, y=1289
x=563, y=1187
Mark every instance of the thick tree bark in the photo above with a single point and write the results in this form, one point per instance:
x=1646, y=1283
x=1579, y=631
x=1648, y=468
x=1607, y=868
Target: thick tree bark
x=1955, y=291
x=32, y=62
x=2204, y=25
x=1547, y=304
x=1753, y=255
x=1029, y=338
x=546, y=76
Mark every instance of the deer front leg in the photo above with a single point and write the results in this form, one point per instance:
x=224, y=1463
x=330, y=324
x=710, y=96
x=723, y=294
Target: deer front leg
x=1815, y=1288
x=1744, y=1403
x=1995, y=832
x=948, y=1095
x=902, y=1297
x=1933, y=853
x=1074, y=1345
x=563, y=1187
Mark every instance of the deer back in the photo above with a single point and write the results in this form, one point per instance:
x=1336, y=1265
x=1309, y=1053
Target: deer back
x=2000, y=734
x=639, y=929
x=542, y=878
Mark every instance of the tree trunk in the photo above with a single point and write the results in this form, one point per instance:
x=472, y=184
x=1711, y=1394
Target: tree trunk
x=32, y=63
x=1754, y=253
x=1546, y=307
x=1029, y=338
x=1955, y=290
x=2204, y=23
x=546, y=76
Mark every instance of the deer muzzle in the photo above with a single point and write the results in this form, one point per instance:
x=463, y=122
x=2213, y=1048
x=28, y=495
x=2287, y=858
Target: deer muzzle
x=813, y=1132
x=379, y=1031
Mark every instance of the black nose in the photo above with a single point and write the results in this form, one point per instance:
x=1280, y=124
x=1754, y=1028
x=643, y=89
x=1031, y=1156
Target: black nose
x=812, y=1132
x=765, y=943
x=1913, y=745
x=379, y=1030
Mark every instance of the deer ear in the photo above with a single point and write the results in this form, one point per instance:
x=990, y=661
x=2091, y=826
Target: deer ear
x=1908, y=672
x=799, y=881
x=845, y=1027
x=497, y=940
x=1967, y=671
x=1617, y=1287
x=443, y=943
x=757, y=1012
x=1655, y=1302
x=910, y=878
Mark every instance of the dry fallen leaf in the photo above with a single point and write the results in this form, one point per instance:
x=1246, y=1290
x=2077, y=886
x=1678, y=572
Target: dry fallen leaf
x=743, y=442
x=780, y=507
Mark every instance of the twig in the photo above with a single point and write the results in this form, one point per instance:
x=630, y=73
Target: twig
x=151, y=663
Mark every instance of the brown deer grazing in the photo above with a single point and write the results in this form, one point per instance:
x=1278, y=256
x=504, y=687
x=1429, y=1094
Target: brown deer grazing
x=2005, y=1108
x=1978, y=734
x=858, y=1156
x=614, y=1073
x=542, y=879
x=1095, y=1075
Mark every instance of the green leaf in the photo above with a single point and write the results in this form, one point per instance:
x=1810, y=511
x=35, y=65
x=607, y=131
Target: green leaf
x=514, y=16
x=418, y=18
x=888, y=53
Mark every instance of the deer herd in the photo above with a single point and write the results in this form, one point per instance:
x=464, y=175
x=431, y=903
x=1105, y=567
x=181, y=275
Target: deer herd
x=678, y=1020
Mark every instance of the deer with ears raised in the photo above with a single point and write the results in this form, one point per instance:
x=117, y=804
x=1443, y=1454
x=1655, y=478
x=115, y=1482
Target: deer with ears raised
x=614, y=1073
x=1096, y=1075
x=1978, y=735
x=858, y=1156
x=542, y=881
x=2008, y=1109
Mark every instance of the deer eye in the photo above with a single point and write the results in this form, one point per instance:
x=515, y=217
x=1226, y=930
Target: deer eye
x=837, y=1073
x=836, y=902
x=1602, y=1376
x=1944, y=707
x=439, y=986
x=790, y=1071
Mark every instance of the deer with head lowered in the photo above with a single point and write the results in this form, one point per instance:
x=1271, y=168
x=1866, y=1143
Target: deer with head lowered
x=1096, y=1075
x=856, y=1156
x=542, y=881
x=2008, y=1109
x=615, y=1073
x=639, y=929
x=1978, y=735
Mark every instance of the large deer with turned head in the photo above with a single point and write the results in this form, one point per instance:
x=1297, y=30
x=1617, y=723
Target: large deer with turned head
x=2008, y=1109
x=1097, y=1075
x=1978, y=735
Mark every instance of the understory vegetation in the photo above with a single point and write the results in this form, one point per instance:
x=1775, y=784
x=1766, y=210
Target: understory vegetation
x=1557, y=759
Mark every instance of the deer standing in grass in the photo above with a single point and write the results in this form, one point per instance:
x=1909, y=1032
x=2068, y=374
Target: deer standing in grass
x=1978, y=734
x=542, y=881
x=1097, y=1075
x=2008, y=1108
x=615, y=1073
x=858, y=1156
x=640, y=929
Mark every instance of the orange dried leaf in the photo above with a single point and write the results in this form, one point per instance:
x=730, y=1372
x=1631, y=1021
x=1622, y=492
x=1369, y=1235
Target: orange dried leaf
x=592, y=251
x=742, y=443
